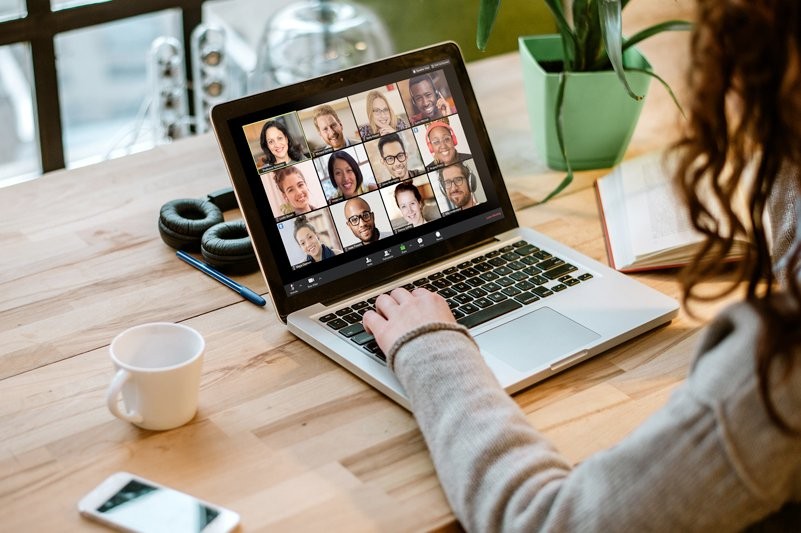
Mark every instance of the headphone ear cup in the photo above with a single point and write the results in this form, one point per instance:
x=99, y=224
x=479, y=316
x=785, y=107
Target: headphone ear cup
x=228, y=247
x=183, y=222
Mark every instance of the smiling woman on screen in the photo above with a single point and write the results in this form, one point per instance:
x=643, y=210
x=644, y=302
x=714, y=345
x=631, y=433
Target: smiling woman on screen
x=346, y=176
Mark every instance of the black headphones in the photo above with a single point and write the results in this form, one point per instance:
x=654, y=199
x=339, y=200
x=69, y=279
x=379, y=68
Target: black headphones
x=197, y=224
x=471, y=179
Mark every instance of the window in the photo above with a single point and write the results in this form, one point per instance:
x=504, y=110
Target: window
x=19, y=150
x=11, y=9
x=103, y=85
x=58, y=115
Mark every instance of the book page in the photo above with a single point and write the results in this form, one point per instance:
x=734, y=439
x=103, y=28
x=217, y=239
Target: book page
x=612, y=207
x=657, y=218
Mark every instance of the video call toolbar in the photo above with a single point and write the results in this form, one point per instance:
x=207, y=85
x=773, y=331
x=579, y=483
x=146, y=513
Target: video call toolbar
x=390, y=253
x=356, y=170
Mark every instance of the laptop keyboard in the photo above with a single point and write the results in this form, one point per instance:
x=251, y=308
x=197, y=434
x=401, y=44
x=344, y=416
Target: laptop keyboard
x=478, y=290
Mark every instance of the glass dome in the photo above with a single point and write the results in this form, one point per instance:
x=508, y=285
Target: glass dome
x=309, y=38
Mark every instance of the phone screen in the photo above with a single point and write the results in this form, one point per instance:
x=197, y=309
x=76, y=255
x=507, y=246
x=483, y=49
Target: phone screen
x=143, y=507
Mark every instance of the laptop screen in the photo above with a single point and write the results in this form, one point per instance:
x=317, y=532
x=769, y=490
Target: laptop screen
x=368, y=170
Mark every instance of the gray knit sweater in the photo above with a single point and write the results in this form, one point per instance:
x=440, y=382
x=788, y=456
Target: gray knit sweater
x=709, y=460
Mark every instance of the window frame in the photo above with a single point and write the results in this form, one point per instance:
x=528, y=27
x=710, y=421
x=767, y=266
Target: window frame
x=39, y=29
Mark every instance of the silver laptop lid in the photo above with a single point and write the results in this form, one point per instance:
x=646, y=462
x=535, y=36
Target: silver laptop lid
x=351, y=179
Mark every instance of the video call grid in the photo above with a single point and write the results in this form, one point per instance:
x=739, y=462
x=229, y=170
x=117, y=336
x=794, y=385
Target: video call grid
x=321, y=229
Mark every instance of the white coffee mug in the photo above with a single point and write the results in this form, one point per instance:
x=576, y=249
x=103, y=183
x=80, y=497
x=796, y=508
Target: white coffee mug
x=158, y=375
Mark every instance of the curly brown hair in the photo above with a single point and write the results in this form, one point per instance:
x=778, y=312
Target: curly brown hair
x=744, y=131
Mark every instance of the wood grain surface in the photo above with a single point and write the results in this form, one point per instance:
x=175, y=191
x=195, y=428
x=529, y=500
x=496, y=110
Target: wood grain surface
x=283, y=436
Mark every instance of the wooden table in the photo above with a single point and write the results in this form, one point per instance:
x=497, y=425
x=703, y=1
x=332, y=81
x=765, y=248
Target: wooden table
x=283, y=435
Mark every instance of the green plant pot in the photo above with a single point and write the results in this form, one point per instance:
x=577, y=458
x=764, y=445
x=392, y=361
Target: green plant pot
x=599, y=115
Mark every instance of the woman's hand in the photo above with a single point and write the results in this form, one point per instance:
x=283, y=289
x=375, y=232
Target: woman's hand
x=401, y=311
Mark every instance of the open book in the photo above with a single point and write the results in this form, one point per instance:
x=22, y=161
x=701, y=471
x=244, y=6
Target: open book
x=646, y=226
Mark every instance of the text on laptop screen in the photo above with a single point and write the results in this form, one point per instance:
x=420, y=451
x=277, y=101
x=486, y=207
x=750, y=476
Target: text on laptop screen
x=365, y=173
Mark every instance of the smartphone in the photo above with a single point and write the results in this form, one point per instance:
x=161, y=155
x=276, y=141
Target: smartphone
x=130, y=503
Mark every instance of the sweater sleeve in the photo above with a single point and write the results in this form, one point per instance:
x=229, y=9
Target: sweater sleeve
x=675, y=472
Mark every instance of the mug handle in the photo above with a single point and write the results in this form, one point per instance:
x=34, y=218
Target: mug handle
x=114, y=395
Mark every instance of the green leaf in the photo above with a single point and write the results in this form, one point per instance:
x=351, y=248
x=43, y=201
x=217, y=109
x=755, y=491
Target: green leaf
x=670, y=25
x=487, y=13
x=585, y=29
x=559, y=14
x=569, y=41
x=664, y=84
x=612, y=29
x=560, y=98
x=567, y=180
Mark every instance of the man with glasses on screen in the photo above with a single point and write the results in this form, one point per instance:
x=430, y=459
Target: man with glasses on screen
x=393, y=155
x=458, y=184
x=361, y=221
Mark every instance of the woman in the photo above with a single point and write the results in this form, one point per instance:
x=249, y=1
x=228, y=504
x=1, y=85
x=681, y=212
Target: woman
x=292, y=184
x=346, y=176
x=309, y=241
x=725, y=452
x=381, y=118
x=441, y=141
x=277, y=145
x=410, y=203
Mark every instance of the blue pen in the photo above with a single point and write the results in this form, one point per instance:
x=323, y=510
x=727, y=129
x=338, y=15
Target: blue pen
x=243, y=291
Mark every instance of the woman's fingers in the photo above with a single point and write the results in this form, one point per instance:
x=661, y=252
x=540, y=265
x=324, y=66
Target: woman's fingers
x=401, y=311
x=373, y=322
x=401, y=295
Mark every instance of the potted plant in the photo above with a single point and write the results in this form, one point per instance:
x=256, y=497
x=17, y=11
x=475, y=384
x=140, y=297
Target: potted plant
x=585, y=85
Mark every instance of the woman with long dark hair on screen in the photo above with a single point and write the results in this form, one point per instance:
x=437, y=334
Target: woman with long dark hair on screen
x=278, y=145
x=346, y=176
x=724, y=453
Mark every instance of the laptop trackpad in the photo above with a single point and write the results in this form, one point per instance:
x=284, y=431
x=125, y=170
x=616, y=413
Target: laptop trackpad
x=537, y=339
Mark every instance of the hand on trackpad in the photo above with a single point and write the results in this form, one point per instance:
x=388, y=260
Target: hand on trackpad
x=537, y=339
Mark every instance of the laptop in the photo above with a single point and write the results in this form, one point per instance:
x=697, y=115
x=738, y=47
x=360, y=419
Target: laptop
x=382, y=176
